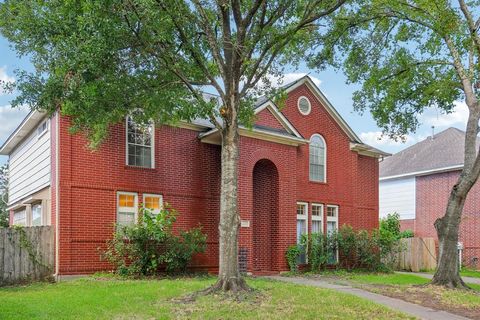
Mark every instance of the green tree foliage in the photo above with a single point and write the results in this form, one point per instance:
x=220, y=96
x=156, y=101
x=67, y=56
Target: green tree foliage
x=410, y=56
x=4, y=214
x=99, y=60
x=151, y=245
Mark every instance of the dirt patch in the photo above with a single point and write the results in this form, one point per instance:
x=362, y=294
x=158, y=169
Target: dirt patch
x=431, y=296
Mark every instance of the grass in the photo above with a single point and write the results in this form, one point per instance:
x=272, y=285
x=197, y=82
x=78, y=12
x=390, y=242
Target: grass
x=465, y=272
x=414, y=289
x=470, y=273
x=92, y=298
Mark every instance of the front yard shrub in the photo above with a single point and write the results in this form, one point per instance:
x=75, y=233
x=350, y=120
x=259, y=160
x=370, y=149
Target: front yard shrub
x=347, y=241
x=292, y=255
x=151, y=245
x=318, y=250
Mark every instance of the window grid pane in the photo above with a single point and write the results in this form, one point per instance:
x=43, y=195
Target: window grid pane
x=316, y=210
x=317, y=159
x=139, y=140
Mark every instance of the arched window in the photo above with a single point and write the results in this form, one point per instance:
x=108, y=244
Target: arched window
x=318, y=159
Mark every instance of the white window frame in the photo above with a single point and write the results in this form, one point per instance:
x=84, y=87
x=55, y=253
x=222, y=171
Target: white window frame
x=41, y=133
x=146, y=195
x=152, y=146
x=135, y=205
x=309, y=106
x=41, y=213
x=320, y=217
x=333, y=219
x=303, y=216
x=25, y=224
x=324, y=158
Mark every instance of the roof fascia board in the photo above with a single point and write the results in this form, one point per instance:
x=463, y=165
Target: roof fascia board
x=257, y=134
x=9, y=145
x=423, y=172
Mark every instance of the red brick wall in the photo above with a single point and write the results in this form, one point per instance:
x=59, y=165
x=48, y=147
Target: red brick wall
x=265, y=118
x=351, y=180
x=187, y=175
x=432, y=194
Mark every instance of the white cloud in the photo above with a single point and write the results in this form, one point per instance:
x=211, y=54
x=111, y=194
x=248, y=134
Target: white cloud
x=10, y=118
x=376, y=139
x=4, y=77
x=457, y=118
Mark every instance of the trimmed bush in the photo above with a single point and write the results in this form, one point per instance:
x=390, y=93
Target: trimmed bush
x=150, y=245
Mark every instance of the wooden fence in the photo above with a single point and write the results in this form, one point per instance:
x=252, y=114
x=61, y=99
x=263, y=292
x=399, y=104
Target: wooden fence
x=417, y=254
x=26, y=254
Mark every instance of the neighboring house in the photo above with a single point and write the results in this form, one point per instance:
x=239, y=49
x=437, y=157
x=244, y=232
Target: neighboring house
x=301, y=169
x=417, y=181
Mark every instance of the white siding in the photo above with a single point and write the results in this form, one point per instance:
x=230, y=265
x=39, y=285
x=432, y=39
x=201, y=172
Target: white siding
x=29, y=166
x=398, y=196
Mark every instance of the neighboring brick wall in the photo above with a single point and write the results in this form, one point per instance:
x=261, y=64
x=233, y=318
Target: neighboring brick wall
x=187, y=174
x=432, y=193
x=407, y=224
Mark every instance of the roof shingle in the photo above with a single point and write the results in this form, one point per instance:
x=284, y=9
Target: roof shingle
x=445, y=150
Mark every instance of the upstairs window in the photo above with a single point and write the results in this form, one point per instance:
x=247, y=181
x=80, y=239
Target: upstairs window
x=140, y=144
x=318, y=168
x=42, y=128
x=304, y=105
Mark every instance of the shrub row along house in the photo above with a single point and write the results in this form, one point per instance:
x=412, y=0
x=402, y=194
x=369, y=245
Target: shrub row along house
x=302, y=169
x=417, y=181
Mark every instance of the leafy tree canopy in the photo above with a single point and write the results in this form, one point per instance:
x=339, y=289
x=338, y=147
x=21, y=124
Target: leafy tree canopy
x=407, y=55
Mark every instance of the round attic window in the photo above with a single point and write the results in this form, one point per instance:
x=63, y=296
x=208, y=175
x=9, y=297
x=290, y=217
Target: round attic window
x=304, y=105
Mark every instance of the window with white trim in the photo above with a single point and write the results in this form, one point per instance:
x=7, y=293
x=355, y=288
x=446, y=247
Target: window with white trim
x=304, y=105
x=302, y=225
x=20, y=217
x=317, y=152
x=127, y=208
x=37, y=215
x=153, y=202
x=332, y=226
x=42, y=128
x=140, y=144
x=317, y=218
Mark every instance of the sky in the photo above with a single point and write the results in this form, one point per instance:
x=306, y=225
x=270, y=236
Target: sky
x=332, y=83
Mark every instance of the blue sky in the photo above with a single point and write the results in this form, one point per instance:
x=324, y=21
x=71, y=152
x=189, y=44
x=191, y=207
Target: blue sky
x=332, y=84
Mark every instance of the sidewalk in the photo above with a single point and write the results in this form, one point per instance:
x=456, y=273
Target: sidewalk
x=430, y=276
x=396, y=304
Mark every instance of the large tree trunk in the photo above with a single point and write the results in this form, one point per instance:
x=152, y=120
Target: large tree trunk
x=229, y=277
x=447, y=227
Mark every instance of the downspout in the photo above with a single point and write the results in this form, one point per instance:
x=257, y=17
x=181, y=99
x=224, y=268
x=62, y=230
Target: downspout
x=57, y=200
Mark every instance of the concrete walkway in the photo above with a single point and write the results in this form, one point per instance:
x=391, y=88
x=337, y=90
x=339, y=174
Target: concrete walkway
x=396, y=304
x=430, y=276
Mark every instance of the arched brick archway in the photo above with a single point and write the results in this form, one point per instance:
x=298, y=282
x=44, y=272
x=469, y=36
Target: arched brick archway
x=265, y=215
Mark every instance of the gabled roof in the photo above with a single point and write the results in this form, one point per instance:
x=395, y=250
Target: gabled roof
x=288, y=136
x=32, y=119
x=443, y=152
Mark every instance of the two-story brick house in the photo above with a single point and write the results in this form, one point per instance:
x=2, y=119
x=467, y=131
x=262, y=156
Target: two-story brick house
x=302, y=169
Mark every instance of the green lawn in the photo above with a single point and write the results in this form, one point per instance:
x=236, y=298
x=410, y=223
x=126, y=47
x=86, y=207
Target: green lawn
x=394, y=279
x=153, y=299
x=470, y=273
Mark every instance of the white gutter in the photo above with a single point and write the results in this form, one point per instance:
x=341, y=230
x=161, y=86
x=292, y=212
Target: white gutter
x=423, y=172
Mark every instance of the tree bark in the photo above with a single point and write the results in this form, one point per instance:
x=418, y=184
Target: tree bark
x=229, y=277
x=447, y=227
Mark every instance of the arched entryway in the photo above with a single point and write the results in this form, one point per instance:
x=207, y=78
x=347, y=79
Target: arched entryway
x=265, y=216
